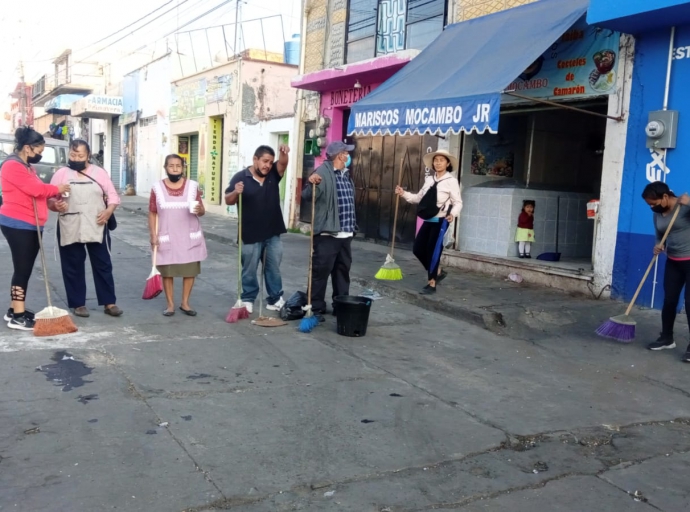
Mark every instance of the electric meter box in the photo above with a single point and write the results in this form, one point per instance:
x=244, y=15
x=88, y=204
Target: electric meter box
x=662, y=129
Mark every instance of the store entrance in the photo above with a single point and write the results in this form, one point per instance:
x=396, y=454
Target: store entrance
x=553, y=157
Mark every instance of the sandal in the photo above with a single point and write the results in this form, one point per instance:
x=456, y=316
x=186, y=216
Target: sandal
x=188, y=312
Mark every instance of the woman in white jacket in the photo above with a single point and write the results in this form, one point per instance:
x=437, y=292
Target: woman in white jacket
x=438, y=204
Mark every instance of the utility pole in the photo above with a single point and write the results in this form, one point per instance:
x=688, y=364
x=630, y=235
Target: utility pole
x=237, y=25
x=22, y=93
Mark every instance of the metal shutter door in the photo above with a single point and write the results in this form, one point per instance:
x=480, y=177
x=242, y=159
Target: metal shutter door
x=115, y=147
x=194, y=157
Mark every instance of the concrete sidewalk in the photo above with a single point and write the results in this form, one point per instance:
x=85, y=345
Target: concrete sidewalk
x=520, y=311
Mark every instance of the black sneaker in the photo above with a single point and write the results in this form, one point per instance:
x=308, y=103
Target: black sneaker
x=428, y=290
x=10, y=313
x=663, y=343
x=441, y=276
x=686, y=357
x=21, y=324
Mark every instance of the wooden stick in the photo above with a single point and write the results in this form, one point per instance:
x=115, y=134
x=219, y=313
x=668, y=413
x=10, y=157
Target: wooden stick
x=397, y=203
x=311, y=240
x=651, y=263
x=43, y=258
x=155, y=247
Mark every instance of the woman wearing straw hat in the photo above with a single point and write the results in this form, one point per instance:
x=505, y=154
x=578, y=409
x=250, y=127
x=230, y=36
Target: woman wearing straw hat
x=438, y=204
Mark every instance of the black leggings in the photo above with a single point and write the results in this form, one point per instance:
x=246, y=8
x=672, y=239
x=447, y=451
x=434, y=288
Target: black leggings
x=425, y=245
x=24, y=247
x=676, y=276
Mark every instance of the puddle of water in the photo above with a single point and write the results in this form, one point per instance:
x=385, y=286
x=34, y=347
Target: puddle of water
x=65, y=371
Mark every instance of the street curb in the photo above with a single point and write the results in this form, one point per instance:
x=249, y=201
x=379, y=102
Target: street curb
x=489, y=320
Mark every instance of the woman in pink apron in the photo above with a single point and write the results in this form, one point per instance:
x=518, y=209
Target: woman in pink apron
x=84, y=225
x=175, y=207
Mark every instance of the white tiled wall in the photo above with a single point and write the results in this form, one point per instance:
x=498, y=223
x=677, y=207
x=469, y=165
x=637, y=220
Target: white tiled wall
x=489, y=220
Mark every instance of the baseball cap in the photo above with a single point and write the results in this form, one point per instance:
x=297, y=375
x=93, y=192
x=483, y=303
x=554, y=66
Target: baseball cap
x=336, y=147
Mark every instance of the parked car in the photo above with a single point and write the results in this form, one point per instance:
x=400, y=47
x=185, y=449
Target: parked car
x=54, y=156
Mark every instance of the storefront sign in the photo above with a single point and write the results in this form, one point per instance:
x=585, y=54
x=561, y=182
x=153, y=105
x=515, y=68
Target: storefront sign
x=581, y=63
x=60, y=103
x=344, y=97
x=215, y=152
x=479, y=114
x=128, y=118
x=188, y=100
x=98, y=105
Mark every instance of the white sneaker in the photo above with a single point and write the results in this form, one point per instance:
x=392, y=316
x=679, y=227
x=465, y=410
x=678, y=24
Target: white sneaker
x=277, y=306
x=249, y=306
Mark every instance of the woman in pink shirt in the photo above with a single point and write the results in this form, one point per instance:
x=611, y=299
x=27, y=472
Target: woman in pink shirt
x=84, y=224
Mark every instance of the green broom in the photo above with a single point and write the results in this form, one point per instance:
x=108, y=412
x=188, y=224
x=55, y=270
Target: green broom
x=391, y=271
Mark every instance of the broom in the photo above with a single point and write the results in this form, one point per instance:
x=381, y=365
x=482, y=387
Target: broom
x=309, y=321
x=391, y=271
x=238, y=311
x=50, y=321
x=154, y=283
x=265, y=321
x=622, y=327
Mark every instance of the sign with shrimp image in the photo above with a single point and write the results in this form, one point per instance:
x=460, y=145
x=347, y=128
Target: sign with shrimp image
x=581, y=63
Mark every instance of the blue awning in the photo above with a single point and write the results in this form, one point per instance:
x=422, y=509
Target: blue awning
x=455, y=84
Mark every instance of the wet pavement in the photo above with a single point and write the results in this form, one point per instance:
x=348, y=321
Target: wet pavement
x=426, y=412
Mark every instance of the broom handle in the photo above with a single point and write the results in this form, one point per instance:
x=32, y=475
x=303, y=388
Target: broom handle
x=43, y=256
x=239, y=251
x=311, y=241
x=155, y=247
x=651, y=263
x=397, y=202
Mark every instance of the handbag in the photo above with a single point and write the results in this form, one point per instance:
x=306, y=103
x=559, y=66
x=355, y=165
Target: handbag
x=112, y=221
x=427, y=208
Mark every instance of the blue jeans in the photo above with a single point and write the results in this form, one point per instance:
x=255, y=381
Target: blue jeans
x=252, y=254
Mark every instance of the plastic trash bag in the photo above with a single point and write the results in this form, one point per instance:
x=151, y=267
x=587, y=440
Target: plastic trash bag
x=292, y=309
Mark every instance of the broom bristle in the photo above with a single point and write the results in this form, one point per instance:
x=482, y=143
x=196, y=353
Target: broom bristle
x=236, y=314
x=389, y=274
x=615, y=330
x=53, y=322
x=308, y=323
x=153, y=288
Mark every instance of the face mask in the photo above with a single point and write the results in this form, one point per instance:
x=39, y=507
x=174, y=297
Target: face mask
x=76, y=166
x=659, y=209
x=34, y=159
x=348, y=161
x=174, y=178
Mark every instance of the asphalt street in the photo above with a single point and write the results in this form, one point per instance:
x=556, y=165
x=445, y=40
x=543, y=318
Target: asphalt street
x=426, y=412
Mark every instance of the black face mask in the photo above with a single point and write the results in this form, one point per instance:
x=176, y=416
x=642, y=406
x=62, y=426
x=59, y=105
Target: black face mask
x=34, y=159
x=174, y=178
x=659, y=209
x=76, y=166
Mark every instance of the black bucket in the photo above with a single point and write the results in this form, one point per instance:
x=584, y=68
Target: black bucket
x=352, y=314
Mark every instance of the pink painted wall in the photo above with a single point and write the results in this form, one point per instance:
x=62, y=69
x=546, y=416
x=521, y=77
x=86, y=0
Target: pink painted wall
x=333, y=105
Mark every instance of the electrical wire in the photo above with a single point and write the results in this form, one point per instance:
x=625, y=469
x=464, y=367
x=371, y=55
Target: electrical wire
x=132, y=32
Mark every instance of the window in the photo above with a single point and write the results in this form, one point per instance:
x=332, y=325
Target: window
x=380, y=27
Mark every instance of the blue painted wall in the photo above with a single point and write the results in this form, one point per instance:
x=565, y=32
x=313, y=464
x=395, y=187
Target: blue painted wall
x=130, y=92
x=634, y=16
x=635, y=238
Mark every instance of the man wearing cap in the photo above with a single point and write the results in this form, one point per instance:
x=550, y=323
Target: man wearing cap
x=334, y=224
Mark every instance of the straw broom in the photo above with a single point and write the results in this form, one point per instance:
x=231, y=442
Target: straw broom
x=309, y=321
x=238, y=311
x=154, y=283
x=391, y=271
x=50, y=321
x=622, y=327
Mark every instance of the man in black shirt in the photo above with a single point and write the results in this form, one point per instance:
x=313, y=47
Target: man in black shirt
x=262, y=223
